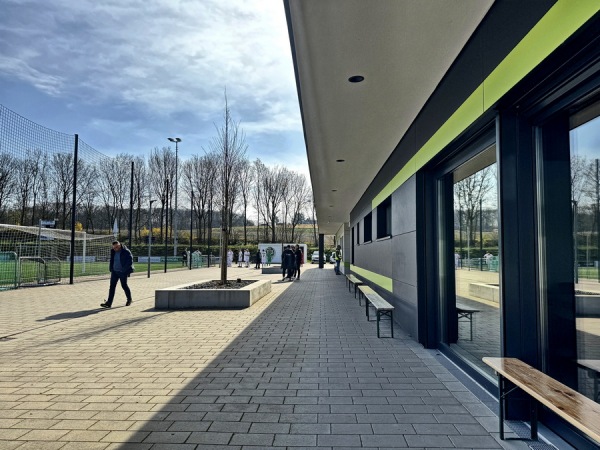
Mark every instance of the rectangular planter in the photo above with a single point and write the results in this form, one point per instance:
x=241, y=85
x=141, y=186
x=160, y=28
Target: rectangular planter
x=178, y=298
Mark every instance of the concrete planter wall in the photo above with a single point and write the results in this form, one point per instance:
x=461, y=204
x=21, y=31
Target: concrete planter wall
x=178, y=298
x=488, y=292
x=588, y=305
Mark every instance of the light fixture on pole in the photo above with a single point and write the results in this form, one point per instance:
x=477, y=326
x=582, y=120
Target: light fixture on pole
x=175, y=221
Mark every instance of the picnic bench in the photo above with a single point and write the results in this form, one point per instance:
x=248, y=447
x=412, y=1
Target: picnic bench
x=353, y=281
x=466, y=313
x=578, y=410
x=382, y=307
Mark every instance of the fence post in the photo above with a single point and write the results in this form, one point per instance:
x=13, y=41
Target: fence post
x=74, y=209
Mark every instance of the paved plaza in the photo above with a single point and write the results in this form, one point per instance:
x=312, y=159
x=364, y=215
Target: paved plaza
x=301, y=368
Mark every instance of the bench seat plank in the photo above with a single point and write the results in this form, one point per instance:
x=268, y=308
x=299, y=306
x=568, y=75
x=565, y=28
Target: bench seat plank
x=379, y=303
x=352, y=280
x=363, y=290
x=567, y=403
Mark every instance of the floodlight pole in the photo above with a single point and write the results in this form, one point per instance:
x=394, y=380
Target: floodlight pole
x=175, y=221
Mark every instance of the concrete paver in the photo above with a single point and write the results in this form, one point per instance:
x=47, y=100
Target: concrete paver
x=301, y=368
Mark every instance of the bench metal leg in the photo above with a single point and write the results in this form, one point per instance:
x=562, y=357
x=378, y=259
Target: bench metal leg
x=378, y=320
x=534, y=419
x=367, y=307
x=501, y=401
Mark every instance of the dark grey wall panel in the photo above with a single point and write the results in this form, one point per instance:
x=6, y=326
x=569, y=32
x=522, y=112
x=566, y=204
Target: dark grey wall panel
x=404, y=214
x=405, y=303
x=404, y=258
x=375, y=256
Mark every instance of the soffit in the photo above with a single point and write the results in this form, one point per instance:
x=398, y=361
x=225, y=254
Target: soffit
x=403, y=48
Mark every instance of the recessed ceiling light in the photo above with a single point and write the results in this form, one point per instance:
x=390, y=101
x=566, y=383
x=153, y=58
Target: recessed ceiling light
x=334, y=190
x=356, y=78
x=340, y=160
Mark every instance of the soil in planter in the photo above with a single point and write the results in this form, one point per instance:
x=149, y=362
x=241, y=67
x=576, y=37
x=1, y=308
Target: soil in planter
x=216, y=284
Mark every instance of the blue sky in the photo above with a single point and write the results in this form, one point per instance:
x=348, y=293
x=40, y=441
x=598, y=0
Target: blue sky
x=127, y=74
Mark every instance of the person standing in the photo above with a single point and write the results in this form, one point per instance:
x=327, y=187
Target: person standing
x=240, y=257
x=299, y=258
x=338, y=259
x=258, y=259
x=184, y=257
x=488, y=258
x=287, y=263
x=229, y=257
x=247, y=258
x=120, y=267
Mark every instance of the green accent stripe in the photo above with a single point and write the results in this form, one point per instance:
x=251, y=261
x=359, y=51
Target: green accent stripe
x=557, y=25
x=381, y=281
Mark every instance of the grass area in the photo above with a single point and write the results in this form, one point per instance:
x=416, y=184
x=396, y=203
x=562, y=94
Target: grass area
x=34, y=272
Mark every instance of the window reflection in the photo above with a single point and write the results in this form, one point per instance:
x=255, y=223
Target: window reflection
x=585, y=201
x=476, y=261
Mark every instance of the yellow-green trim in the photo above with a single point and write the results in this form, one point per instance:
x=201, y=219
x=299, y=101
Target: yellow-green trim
x=381, y=281
x=557, y=25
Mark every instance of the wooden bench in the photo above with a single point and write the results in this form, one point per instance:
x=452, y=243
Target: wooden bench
x=464, y=312
x=382, y=308
x=580, y=411
x=352, y=280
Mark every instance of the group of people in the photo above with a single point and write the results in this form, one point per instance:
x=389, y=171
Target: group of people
x=243, y=258
x=291, y=260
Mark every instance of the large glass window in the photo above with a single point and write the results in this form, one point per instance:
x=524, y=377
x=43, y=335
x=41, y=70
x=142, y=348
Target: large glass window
x=368, y=227
x=476, y=260
x=585, y=201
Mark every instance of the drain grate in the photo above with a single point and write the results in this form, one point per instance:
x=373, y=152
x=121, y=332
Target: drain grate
x=523, y=431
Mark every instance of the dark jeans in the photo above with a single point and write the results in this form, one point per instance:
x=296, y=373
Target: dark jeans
x=337, y=266
x=114, y=278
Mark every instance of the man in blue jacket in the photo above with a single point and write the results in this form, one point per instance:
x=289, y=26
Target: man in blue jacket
x=121, y=266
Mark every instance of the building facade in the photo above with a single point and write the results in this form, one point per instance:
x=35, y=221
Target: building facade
x=481, y=224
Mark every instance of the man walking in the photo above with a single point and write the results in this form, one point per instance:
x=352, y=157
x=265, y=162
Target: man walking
x=120, y=267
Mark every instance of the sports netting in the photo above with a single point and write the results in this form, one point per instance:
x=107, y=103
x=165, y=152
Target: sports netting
x=37, y=181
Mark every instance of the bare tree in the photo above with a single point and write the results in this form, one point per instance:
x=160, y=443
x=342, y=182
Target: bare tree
x=114, y=186
x=274, y=187
x=259, y=170
x=299, y=199
x=246, y=179
x=87, y=193
x=162, y=174
x=63, y=170
x=8, y=166
x=230, y=144
x=471, y=192
x=140, y=181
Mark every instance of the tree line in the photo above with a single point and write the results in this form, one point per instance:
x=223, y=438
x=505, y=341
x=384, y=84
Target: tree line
x=223, y=193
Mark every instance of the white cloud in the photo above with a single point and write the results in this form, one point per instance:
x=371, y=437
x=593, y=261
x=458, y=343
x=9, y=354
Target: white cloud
x=133, y=72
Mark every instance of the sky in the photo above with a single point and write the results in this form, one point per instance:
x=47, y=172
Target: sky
x=127, y=74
